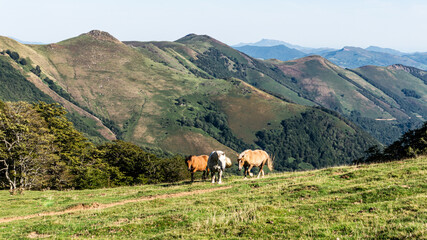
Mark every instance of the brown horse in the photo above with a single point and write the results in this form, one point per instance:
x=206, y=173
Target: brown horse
x=257, y=158
x=197, y=163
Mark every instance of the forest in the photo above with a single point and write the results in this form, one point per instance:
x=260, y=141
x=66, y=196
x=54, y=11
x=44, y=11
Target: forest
x=42, y=150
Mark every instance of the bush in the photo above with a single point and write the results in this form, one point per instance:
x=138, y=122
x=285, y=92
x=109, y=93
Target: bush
x=13, y=55
x=23, y=62
x=37, y=71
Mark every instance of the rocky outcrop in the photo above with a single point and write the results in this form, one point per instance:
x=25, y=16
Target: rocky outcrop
x=102, y=36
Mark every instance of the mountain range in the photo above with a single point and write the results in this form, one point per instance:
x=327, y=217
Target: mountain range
x=347, y=57
x=197, y=94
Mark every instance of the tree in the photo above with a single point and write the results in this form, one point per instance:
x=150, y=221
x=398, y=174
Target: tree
x=13, y=55
x=71, y=146
x=37, y=71
x=26, y=146
x=23, y=61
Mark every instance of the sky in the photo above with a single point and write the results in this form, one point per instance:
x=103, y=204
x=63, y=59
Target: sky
x=397, y=24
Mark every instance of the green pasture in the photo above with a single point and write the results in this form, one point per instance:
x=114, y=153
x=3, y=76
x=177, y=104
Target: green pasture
x=379, y=201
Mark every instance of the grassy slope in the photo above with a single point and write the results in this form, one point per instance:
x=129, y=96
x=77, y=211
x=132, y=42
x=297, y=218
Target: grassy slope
x=379, y=201
x=315, y=80
x=322, y=81
x=369, y=92
x=16, y=87
x=246, y=114
x=77, y=115
x=119, y=83
x=392, y=81
x=138, y=88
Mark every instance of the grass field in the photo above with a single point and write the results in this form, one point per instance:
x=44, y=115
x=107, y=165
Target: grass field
x=384, y=201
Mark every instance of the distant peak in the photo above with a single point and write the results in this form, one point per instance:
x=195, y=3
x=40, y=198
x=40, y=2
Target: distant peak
x=102, y=36
x=190, y=35
x=195, y=38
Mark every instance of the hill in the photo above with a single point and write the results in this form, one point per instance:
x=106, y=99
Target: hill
x=314, y=80
x=378, y=201
x=353, y=57
x=279, y=52
x=384, y=50
x=419, y=57
x=186, y=97
x=16, y=87
x=385, y=101
x=272, y=43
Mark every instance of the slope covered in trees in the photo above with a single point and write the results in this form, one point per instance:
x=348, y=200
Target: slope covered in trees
x=40, y=149
x=185, y=96
x=410, y=145
x=385, y=101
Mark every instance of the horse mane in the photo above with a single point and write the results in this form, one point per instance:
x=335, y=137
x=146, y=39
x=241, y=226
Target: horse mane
x=243, y=153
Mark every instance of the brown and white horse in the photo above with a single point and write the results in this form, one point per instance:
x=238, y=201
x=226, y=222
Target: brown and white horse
x=257, y=158
x=197, y=163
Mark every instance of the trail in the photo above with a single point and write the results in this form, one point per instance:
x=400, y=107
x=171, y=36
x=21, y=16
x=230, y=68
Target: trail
x=100, y=206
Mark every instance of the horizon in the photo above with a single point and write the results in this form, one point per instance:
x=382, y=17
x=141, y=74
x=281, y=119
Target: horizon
x=309, y=23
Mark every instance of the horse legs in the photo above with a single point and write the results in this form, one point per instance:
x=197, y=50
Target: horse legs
x=260, y=170
x=204, y=176
x=213, y=177
x=219, y=176
x=245, y=171
x=192, y=176
x=249, y=170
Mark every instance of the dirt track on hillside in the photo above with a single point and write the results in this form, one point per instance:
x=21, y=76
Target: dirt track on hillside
x=81, y=207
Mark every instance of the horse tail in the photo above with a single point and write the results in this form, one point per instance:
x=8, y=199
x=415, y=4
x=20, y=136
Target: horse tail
x=270, y=163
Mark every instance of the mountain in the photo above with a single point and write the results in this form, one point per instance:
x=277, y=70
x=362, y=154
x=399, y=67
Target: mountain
x=315, y=81
x=18, y=85
x=384, y=50
x=271, y=43
x=419, y=57
x=192, y=96
x=353, y=57
x=280, y=52
x=385, y=101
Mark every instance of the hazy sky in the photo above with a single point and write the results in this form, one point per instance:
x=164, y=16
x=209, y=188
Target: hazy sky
x=398, y=24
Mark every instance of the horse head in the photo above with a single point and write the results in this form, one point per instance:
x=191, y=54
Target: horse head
x=241, y=159
x=189, y=162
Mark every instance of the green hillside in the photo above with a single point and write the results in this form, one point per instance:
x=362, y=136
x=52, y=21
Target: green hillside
x=385, y=101
x=186, y=97
x=309, y=81
x=378, y=201
x=15, y=87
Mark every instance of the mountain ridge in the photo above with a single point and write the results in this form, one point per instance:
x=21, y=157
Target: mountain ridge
x=187, y=96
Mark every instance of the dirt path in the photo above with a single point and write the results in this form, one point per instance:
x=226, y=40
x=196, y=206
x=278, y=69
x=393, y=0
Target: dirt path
x=82, y=207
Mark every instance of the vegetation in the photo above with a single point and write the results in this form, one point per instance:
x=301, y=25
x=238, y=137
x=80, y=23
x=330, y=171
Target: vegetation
x=134, y=92
x=40, y=149
x=378, y=201
x=215, y=123
x=326, y=143
x=411, y=93
x=411, y=144
x=15, y=87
